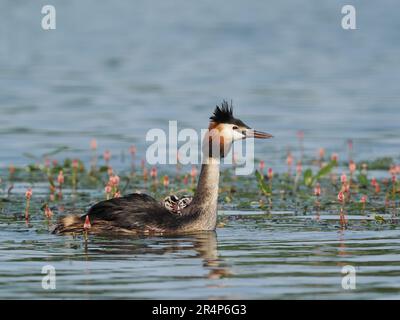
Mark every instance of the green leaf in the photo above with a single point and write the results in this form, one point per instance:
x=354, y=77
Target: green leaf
x=51, y=181
x=103, y=169
x=363, y=180
x=379, y=219
x=32, y=168
x=262, y=185
x=325, y=170
x=308, y=177
x=383, y=163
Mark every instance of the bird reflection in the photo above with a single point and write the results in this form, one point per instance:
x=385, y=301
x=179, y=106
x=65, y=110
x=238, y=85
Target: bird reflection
x=205, y=245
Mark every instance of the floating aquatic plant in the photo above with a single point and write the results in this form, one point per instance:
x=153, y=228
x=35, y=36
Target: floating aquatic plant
x=310, y=178
x=319, y=184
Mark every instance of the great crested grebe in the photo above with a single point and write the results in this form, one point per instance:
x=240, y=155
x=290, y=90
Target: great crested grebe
x=141, y=214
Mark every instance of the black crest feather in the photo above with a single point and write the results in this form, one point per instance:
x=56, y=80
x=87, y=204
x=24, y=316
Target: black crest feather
x=223, y=113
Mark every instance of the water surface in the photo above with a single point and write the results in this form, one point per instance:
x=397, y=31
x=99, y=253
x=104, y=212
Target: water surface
x=113, y=70
x=253, y=256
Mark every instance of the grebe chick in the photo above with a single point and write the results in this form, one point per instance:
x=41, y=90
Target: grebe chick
x=142, y=214
x=175, y=204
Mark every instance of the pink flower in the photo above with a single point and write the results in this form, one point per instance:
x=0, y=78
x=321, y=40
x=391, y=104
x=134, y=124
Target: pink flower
x=28, y=194
x=321, y=153
x=185, y=180
x=60, y=178
x=153, y=172
x=93, y=144
x=117, y=194
x=317, y=190
x=11, y=169
x=87, y=224
x=343, y=178
x=340, y=196
x=166, y=181
x=75, y=164
x=392, y=170
x=114, y=180
x=334, y=157
x=352, y=166
x=363, y=199
x=48, y=213
x=108, y=189
x=145, y=173
x=270, y=173
x=374, y=182
x=262, y=165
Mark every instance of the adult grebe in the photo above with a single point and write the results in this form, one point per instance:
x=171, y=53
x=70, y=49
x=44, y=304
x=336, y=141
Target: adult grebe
x=141, y=214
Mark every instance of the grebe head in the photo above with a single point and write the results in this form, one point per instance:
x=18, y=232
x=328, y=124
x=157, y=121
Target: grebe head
x=225, y=129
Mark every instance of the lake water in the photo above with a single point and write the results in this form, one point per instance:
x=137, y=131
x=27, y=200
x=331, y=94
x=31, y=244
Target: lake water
x=282, y=257
x=112, y=71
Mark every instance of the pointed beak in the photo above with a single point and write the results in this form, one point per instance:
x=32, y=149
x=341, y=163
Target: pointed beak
x=258, y=134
